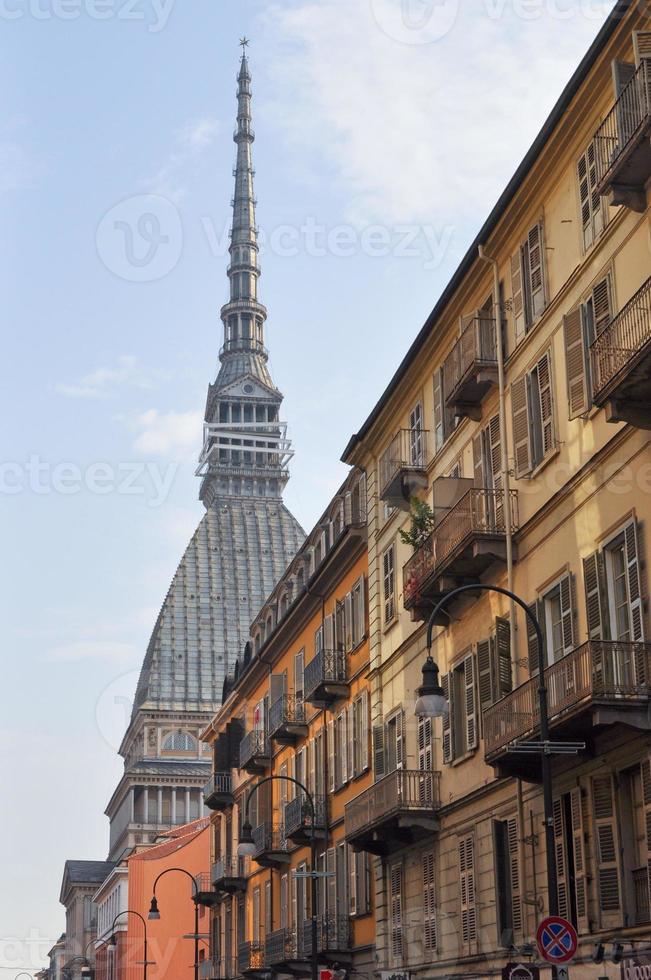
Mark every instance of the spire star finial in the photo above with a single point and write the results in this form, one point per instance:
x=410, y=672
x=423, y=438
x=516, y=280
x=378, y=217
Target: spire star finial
x=244, y=43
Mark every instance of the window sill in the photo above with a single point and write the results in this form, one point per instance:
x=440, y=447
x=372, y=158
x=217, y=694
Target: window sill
x=463, y=758
x=544, y=462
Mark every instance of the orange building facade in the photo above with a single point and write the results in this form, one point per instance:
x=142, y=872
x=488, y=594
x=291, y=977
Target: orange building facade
x=297, y=708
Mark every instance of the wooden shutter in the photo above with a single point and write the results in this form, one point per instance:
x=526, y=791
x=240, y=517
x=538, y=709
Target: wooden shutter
x=331, y=881
x=425, y=759
x=634, y=585
x=276, y=687
x=395, y=911
x=623, y=72
x=601, y=305
x=429, y=902
x=331, y=756
x=329, y=633
x=580, y=859
x=537, y=608
x=363, y=748
x=561, y=858
x=514, y=872
x=519, y=319
x=467, y=890
x=566, y=588
x=592, y=208
x=400, y=740
x=502, y=657
x=485, y=674
x=379, y=753
x=472, y=737
x=447, y=683
x=536, y=256
x=478, y=461
x=607, y=847
x=575, y=362
x=348, y=622
x=439, y=410
x=645, y=767
x=595, y=595
x=641, y=46
x=521, y=426
x=350, y=740
x=495, y=452
x=546, y=394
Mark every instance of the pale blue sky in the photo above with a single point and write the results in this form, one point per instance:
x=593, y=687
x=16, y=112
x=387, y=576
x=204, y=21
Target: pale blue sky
x=400, y=123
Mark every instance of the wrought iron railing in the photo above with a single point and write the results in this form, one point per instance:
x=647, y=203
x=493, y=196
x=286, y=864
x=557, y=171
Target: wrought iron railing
x=333, y=934
x=228, y=867
x=218, y=968
x=280, y=946
x=404, y=790
x=254, y=745
x=298, y=813
x=326, y=667
x=250, y=957
x=204, y=882
x=641, y=891
x=269, y=837
x=626, y=334
x=599, y=669
x=407, y=451
x=245, y=343
x=476, y=347
x=286, y=710
x=478, y=513
x=624, y=122
x=220, y=785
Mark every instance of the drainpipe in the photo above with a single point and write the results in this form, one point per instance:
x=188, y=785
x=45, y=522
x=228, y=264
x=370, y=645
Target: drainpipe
x=506, y=475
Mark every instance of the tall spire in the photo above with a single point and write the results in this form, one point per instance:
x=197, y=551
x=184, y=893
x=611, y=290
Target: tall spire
x=246, y=450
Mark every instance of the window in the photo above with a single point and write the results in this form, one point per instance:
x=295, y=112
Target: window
x=257, y=922
x=180, y=742
x=284, y=901
x=494, y=673
x=358, y=609
x=532, y=406
x=299, y=671
x=507, y=880
x=430, y=936
x=395, y=914
x=416, y=436
x=467, y=890
x=528, y=282
x=341, y=749
x=360, y=729
x=460, y=734
x=581, y=327
x=594, y=213
x=555, y=613
x=614, y=600
x=487, y=456
x=394, y=742
x=444, y=418
x=389, y=584
x=569, y=837
x=359, y=866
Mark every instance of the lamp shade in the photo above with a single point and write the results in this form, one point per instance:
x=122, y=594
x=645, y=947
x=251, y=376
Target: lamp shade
x=246, y=846
x=154, y=914
x=431, y=702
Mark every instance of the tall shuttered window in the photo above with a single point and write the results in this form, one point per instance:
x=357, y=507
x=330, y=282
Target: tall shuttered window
x=614, y=603
x=581, y=327
x=468, y=908
x=532, y=408
x=389, y=584
x=594, y=212
x=528, y=282
x=460, y=725
x=506, y=868
x=396, y=938
x=430, y=932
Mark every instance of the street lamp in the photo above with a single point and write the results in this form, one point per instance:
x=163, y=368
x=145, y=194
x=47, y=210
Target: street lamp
x=246, y=848
x=85, y=970
x=113, y=941
x=431, y=701
x=545, y=747
x=154, y=913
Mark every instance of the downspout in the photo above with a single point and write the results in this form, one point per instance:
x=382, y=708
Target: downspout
x=505, y=472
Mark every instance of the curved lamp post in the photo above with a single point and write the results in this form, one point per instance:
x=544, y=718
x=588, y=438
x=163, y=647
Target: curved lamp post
x=85, y=969
x=23, y=974
x=431, y=693
x=113, y=940
x=154, y=913
x=246, y=848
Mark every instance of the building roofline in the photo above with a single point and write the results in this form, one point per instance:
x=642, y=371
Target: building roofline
x=615, y=17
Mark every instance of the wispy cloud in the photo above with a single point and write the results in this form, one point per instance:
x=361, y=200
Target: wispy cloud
x=105, y=381
x=190, y=141
x=421, y=131
x=166, y=433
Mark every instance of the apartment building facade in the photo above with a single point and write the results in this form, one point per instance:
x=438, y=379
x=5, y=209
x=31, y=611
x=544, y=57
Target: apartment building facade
x=519, y=422
x=297, y=709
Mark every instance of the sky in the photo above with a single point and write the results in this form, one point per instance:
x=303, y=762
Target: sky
x=386, y=130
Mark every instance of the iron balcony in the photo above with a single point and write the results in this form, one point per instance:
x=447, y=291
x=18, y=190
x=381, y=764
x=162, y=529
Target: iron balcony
x=622, y=147
x=250, y=959
x=467, y=540
x=281, y=951
x=228, y=876
x=271, y=849
x=601, y=683
x=470, y=369
x=621, y=362
x=218, y=793
x=287, y=720
x=326, y=678
x=333, y=937
x=399, y=809
x=218, y=968
x=298, y=819
x=255, y=754
x=403, y=467
x=205, y=893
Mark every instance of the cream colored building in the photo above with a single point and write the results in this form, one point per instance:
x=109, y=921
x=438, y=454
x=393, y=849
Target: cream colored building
x=531, y=445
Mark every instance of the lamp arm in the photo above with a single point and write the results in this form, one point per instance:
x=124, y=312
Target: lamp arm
x=195, y=890
x=289, y=779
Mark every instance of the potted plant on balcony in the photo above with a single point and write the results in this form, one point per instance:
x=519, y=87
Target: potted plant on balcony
x=421, y=526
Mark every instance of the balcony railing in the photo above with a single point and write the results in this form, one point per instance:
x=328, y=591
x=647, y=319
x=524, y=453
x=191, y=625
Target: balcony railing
x=334, y=935
x=218, y=968
x=378, y=820
x=287, y=718
x=205, y=891
x=598, y=670
x=615, y=350
x=470, y=368
x=403, y=465
x=298, y=818
x=479, y=513
x=623, y=132
x=271, y=849
x=641, y=892
x=280, y=947
x=250, y=958
x=326, y=677
x=228, y=875
x=218, y=793
x=254, y=750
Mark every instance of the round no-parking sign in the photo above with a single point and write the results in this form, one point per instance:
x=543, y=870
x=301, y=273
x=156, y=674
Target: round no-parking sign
x=557, y=939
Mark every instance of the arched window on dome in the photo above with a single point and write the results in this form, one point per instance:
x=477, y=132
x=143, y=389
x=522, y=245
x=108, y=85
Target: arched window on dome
x=180, y=742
